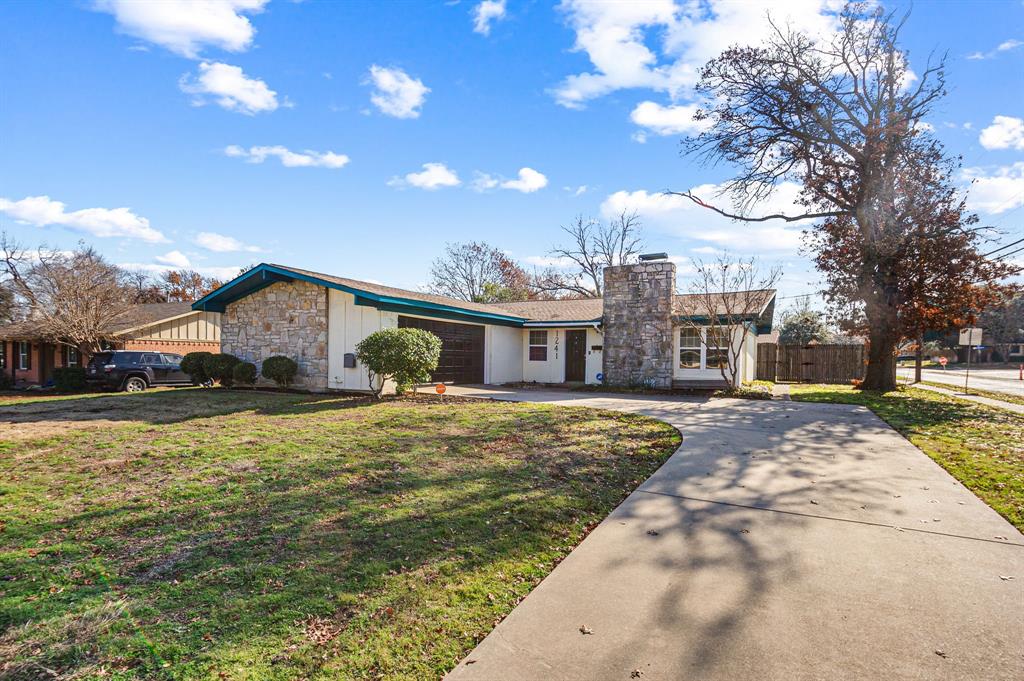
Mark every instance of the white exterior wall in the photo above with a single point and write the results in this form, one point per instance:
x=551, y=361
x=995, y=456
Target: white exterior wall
x=750, y=356
x=746, y=359
x=348, y=323
x=553, y=370
x=503, y=352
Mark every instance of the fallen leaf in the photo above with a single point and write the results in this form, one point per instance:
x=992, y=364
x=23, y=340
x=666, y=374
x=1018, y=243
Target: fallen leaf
x=1006, y=578
x=941, y=653
x=584, y=629
x=814, y=502
x=653, y=533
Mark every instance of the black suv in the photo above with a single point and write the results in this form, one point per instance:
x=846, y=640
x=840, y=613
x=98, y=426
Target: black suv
x=135, y=371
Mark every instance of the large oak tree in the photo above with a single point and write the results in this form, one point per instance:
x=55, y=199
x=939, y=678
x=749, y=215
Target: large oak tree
x=844, y=117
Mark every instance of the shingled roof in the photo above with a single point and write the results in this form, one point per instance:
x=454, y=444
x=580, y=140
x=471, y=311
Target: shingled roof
x=568, y=310
x=134, y=317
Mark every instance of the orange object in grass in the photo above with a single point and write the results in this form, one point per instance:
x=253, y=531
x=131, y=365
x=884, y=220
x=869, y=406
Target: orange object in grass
x=440, y=388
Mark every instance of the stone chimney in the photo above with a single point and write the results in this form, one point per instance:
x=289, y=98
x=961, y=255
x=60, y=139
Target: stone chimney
x=638, y=341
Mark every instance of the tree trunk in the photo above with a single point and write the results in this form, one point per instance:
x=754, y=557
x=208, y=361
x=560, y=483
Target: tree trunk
x=884, y=338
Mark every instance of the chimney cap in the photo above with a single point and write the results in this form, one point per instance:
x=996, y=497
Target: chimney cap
x=647, y=257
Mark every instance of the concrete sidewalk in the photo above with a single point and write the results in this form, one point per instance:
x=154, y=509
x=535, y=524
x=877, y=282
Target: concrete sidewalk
x=987, y=401
x=783, y=540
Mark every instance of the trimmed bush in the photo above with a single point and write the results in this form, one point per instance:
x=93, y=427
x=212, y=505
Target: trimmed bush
x=69, y=378
x=194, y=364
x=244, y=373
x=219, y=367
x=280, y=369
x=406, y=356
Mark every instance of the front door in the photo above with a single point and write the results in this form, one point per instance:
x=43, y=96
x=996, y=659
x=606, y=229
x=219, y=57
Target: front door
x=575, y=356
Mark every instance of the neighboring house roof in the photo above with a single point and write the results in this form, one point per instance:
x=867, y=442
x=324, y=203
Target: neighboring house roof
x=566, y=310
x=135, y=317
x=753, y=303
x=530, y=312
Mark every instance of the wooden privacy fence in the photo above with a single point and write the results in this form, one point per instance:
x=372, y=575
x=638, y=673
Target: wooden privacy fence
x=810, y=363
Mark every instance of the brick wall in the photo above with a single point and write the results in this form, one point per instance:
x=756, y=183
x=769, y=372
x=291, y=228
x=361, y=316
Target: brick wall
x=638, y=342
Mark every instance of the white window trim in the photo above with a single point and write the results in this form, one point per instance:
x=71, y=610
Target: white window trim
x=24, y=357
x=703, y=347
x=530, y=345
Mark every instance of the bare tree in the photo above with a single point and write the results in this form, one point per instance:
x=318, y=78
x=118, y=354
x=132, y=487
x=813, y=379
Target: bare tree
x=478, y=272
x=74, y=298
x=843, y=117
x=594, y=246
x=725, y=297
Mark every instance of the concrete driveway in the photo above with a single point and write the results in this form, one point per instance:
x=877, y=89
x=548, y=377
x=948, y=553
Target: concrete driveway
x=782, y=540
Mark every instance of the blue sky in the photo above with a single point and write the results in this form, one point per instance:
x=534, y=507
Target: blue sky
x=358, y=138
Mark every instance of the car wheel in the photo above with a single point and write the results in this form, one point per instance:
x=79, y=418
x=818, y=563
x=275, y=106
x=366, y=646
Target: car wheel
x=135, y=385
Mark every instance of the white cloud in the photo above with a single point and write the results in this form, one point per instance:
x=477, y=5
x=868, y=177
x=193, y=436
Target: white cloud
x=529, y=181
x=483, y=181
x=175, y=259
x=288, y=158
x=667, y=120
x=433, y=176
x=225, y=273
x=1004, y=46
x=220, y=243
x=230, y=88
x=998, y=191
x=681, y=217
x=396, y=92
x=186, y=26
x=1005, y=132
x=560, y=263
x=577, y=191
x=485, y=13
x=661, y=45
x=100, y=222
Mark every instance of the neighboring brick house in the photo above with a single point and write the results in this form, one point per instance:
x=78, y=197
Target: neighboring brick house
x=636, y=335
x=27, y=358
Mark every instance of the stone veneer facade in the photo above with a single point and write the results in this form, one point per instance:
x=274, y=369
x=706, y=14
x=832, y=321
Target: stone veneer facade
x=287, y=319
x=638, y=335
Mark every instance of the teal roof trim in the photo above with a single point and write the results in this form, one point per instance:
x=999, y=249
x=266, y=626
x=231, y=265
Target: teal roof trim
x=264, y=275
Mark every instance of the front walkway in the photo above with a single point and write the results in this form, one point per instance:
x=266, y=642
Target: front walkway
x=783, y=540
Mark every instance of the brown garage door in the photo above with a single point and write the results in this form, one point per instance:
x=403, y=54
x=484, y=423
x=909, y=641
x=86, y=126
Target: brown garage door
x=462, y=349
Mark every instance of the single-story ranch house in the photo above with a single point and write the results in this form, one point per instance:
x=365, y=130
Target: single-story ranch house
x=176, y=328
x=633, y=336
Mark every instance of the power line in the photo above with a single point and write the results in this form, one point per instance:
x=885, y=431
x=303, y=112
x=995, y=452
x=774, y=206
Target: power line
x=1002, y=248
x=1004, y=256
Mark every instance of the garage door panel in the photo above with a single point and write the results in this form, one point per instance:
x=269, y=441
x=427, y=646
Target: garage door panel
x=462, y=349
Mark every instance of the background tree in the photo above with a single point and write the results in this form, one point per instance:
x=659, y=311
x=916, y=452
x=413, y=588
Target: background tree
x=593, y=246
x=7, y=308
x=843, y=117
x=1004, y=324
x=187, y=286
x=74, y=298
x=722, y=294
x=480, y=273
x=144, y=288
x=800, y=325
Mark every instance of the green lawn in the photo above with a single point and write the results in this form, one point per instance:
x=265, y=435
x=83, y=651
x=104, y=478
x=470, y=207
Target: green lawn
x=982, y=447
x=227, y=535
